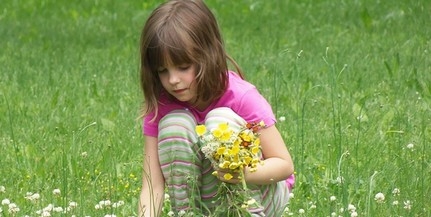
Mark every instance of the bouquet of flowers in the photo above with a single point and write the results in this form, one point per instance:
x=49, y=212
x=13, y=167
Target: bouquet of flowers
x=231, y=151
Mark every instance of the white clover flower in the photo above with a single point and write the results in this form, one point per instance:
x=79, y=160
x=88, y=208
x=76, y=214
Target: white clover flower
x=396, y=191
x=58, y=209
x=282, y=118
x=340, y=180
x=105, y=203
x=291, y=195
x=167, y=196
x=48, y=208
x=2, y=189
x=313, y=206
x=13, y=208
x=333, y=198
x=379, y=198
x=5, y=202
x=118, y=204
x=34, y=197
x=181, y=213
x=333, y=214
x=341, y=209
x=351, y=208
x=395, y=203
x=410, y=146
x=73, y=204
x=171, y=214
x=407, y=205
x=301, y=211
x=45, y=214
x=354, y=214
x=98, y=206
x=56, y=192
x=84, y=154
x=1, y=210
x=251, y=201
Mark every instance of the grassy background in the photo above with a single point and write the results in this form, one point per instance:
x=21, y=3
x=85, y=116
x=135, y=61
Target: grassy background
x=351, y=78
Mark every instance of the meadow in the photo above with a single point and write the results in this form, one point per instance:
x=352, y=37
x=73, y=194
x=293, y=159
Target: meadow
x=349, y=82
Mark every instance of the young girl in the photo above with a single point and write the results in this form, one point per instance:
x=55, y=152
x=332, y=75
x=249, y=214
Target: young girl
x=186, y=82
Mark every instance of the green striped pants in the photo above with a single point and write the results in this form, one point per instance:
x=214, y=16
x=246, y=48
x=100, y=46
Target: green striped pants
x=187, y=173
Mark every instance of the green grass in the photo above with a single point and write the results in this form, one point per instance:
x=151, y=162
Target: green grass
x=351, y=78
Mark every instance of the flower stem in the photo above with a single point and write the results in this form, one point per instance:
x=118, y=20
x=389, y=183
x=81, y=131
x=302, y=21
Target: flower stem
x=244, y=184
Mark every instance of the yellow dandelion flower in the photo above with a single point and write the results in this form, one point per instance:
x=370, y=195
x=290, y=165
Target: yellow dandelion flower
x=226, y=135
x=234, y=150
x=245, y=136
x=257, y=141
x=228, y=176
x=223, y=126
x=217, y=133
x=221, y=150
x=224, y=165
x=233, y=165
x=255, y=150
x=200, y=130
x=237, y=141
x=247, y=160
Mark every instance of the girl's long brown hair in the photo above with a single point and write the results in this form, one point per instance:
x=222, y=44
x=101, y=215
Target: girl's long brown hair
x=178, y=32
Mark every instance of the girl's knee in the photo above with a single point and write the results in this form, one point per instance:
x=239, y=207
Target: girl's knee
x=224, y=115
x=180, y=122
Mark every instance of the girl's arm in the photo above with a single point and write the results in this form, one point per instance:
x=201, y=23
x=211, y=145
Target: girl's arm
x=152, y=193
x=278, y=164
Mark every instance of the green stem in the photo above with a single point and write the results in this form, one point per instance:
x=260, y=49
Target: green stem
x=244, y=184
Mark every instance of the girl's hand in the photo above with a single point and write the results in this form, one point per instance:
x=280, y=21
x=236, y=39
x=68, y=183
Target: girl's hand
x=221, y=176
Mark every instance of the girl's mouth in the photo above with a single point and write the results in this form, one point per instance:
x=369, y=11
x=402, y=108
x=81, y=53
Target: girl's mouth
x=179, y=90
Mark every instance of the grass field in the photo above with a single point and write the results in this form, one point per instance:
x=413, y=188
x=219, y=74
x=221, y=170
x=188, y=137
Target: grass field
x=350, y=82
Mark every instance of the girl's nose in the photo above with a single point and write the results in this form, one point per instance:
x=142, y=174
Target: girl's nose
x=174, y=78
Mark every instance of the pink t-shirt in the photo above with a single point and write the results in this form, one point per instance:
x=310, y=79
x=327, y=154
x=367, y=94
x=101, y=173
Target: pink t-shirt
x=240, y=96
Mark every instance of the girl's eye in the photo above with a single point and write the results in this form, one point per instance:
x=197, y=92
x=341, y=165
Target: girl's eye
x=184, y=67
x=161, y=70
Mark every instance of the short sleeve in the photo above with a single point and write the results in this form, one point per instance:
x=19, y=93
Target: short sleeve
x=253, y=107
x=150, y=128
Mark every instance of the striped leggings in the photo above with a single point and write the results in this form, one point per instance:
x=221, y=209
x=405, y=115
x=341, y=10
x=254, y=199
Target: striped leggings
x=187, y=173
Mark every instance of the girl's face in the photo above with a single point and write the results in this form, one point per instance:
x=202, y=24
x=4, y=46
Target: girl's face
x=179, y=81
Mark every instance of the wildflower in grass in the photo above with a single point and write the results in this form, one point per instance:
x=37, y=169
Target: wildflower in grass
x=58, y=209
x=5, y=201
x=354, y=214
x=339, y=180
x=351, y=208
x=301, y=211
x=395, y=202
x=313, y=205
x=110, y=215
x=379, y=197
x=407, y=205
x=118, y=204
x=32, y=197
x=333, y=198
x=56, y=192
x=231, y=152
x=2, y=189
x=410, y=146
x=45, y=214
x=181, y=213
x=84, y=154
x=282, y=119
x=13, y=208
x=291, y=195
x=171, y=214
x=396, y=191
